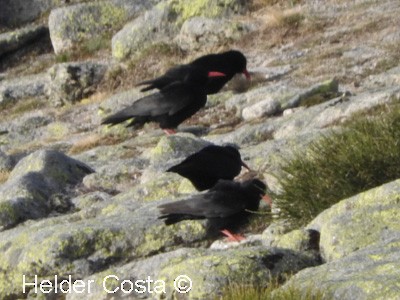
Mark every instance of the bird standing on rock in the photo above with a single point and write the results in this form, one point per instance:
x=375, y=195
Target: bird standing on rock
x=230, y=63
x=205, y=167
x=226, y=206
x=174, y=103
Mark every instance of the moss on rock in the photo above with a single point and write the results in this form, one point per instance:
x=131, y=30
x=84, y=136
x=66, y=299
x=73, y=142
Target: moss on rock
x=211, y=271
x=359, y=221
x=187, y=9
x=71, y=25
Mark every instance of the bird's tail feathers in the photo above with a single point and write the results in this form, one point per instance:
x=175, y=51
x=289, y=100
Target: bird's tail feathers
x=149, y=86
x=115, y=119
x=172, y=218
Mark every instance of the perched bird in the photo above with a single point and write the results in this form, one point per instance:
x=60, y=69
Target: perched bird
x=229, y=63
x=173, y=104
x=205, y=167
x=226, y=206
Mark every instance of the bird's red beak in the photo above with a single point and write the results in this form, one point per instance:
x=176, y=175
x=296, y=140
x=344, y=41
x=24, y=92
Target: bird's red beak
x=245, y=166
x=215, y=74
x=247, y=74
x=267, y=199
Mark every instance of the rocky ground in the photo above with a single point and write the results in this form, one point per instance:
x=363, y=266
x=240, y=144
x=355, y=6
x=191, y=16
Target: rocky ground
x=80, y=199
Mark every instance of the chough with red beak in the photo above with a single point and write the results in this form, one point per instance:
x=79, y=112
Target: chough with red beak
x=226, y=206
x=205, y=167
x=230, y=63
x=173, y=104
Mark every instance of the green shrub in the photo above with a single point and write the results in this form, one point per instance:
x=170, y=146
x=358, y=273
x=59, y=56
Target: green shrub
x=365, y=154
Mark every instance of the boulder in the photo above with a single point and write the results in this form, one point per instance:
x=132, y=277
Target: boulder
x=200, y=32
x=24, y=132
x=277, y=92
x=264, y=108
x=23, y=88
x=19, y=12
x=186, y=9
x=102, y=233
x=71, y=82
x=363, y=220
x=59, y=169
x=154, y=26
x=7, y=162
x=329, y=88
x=14, y=40
x=162, y=23
x=33, y=185
x=172, y=149
x=78, y=24
x=370, y=273
x=197, y=272
x=333, y=111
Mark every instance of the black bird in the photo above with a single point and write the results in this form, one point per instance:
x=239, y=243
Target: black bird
x=175, y=102
x=205, y=167
x=226, y=206
x=229, y=63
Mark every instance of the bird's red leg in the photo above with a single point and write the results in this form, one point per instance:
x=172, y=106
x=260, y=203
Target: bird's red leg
x=169, y=131
x=232, y=237
x=247, y=74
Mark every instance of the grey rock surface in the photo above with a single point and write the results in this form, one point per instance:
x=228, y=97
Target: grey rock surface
x=27, y=87
x=19, y=12
x=200, y=32
x=261, y=109
x=73, y=25
x=209, y=270
x=355, y=223
x=71, y=82
x=11, y=41
x=33, y=182
x=152, y=27
x=98, y=235
x=370, y=273
x=7, y=162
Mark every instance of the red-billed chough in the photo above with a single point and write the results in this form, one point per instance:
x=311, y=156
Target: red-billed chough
x=173, y=104
x=226, y=206
x=205, y=167
x=229, y=63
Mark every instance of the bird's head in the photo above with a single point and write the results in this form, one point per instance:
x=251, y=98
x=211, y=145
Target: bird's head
x=238, y=62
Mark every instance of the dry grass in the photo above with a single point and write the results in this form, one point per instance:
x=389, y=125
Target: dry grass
x=149, y=63
x=4, y=176
x=260, y=4
x=27, y=148
x=280, y=26
x=275, y=18
x=13, y=110
x=94, y=98
x=93, y=141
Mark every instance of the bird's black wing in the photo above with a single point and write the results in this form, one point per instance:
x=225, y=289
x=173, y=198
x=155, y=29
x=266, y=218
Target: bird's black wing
x=168, y=101
x=205, y=167
x=174, y=74
x=213, y=204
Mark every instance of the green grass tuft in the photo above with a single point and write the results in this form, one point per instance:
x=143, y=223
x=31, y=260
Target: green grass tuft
x=365, y=154
x=271, y=292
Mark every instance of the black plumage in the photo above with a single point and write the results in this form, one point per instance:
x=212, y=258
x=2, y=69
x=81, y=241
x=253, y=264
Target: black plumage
x=205, y=167
x=229, y=62
x=226, y=206
x=169, y=107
